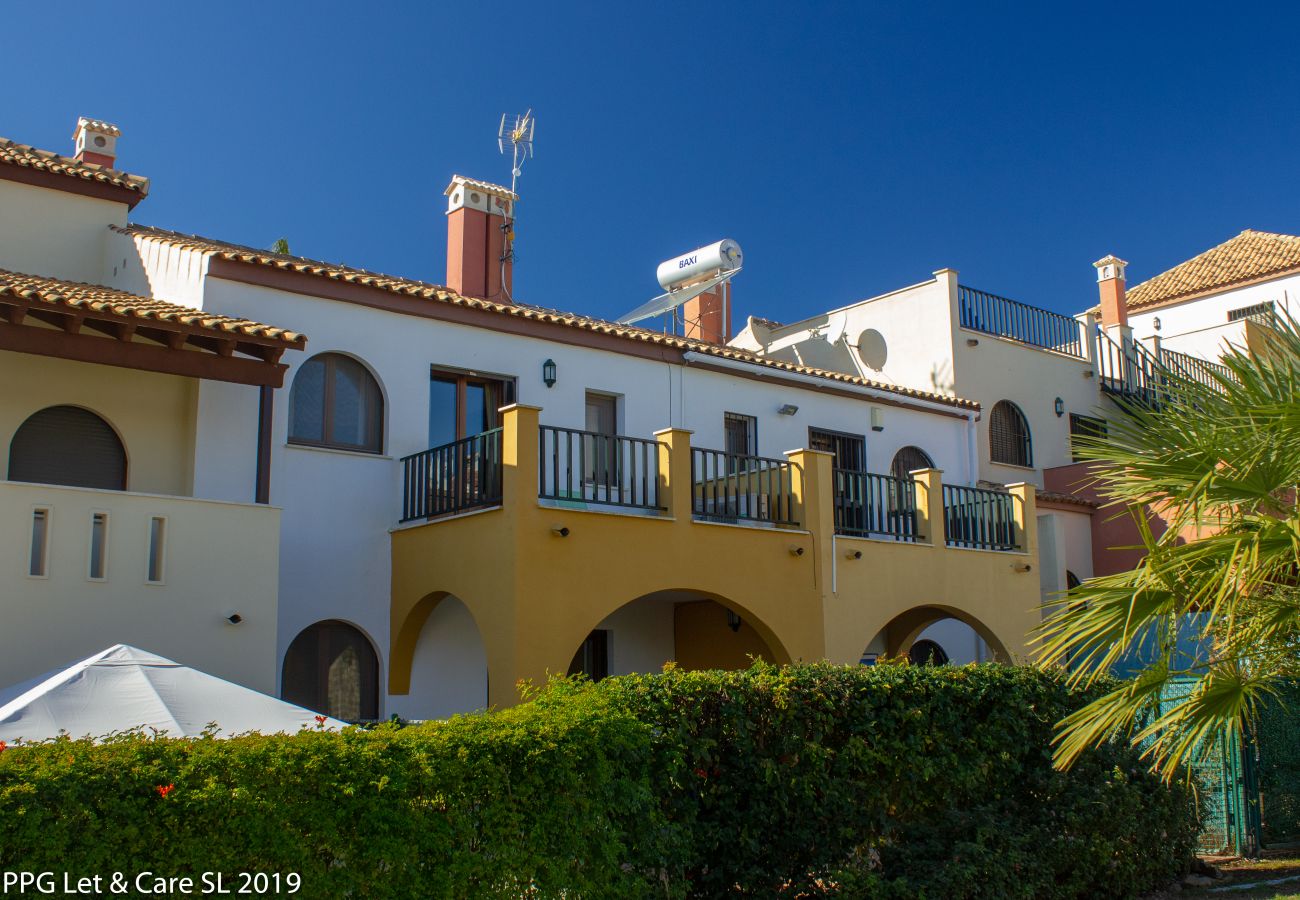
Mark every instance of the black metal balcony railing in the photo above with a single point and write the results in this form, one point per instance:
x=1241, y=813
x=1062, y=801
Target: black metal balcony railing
x=456, y=477
x=978, y=518
x=1193, y=368
x=991, y=314
x=874, y=506
x=591, y=467
x=1128, y=369
x=728, y=486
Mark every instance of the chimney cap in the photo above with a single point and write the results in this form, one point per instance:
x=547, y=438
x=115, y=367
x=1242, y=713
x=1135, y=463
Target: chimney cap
x=1109, y=267
x=486, y=187
x=96, y=125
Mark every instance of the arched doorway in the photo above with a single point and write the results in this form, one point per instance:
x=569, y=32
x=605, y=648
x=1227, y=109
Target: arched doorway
x=68, y=445
x=692, y=629
x=332, y=668
x=936, y=633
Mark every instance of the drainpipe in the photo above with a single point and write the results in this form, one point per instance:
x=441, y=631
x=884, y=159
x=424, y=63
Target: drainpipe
x=972, y=448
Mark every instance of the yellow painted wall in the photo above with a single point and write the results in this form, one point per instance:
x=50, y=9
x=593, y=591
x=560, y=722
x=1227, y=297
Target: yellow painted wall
x=704, y=640
x=153, y=414
x=219, y=558
x=535, y=595
x=56, y=233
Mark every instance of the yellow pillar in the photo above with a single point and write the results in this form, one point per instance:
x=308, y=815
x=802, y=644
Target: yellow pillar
x=929, y=506
x=675, y=472
x=813, y=484
x=1025, y=515
x=520, y=444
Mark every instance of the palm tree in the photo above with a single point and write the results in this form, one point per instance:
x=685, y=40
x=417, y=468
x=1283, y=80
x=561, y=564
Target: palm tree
x=1220, y=463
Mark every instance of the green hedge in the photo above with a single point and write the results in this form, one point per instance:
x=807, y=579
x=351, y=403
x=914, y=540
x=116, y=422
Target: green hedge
x=807, y=780
x=898, y=781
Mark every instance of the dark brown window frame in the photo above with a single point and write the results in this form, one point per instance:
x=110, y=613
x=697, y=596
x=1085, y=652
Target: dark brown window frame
x=375, y=416
x=463, y=379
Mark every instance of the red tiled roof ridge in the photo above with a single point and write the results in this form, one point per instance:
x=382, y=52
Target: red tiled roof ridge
x=24, y=155
x=1250, y=256
x=430, y=291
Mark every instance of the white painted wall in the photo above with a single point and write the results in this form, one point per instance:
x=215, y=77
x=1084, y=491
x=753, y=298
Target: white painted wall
x=958, y=640
x=641, y=634
x=1200, y=327
x=449, y=671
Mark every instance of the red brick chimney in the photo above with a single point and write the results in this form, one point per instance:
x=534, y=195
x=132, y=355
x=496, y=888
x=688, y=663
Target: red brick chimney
x=1110, y=284
x=480, y=235
x=708, y=316
x=96, y=142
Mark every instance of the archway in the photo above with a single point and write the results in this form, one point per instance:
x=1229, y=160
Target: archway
x=958, y=635
x=449, y=669
x=694, y=629
x=331, y=667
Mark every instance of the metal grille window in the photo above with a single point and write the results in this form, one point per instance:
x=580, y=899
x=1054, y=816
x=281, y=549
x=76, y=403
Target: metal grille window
x=1009, y=440
x=1087, y=427
x=741, y=433
x=850, y=450
x=1260, y=312
x=336, y=402
x=908, y=460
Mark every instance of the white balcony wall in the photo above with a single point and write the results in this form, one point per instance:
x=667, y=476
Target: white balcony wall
x=217, y=559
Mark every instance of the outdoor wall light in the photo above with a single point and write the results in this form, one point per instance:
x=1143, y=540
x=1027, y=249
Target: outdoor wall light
x=548, y=373
x=1022, y=567
x=1088, y=373
x=853, y=554
x=733, y=621
x=234, y=618
x=1156, y=323
x=787, y=409
x=795, y=550
x=560, y=530
x=1059, y=406
x=972, y=342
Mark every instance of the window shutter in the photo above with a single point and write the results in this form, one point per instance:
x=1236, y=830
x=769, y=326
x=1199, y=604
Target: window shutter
x=68, y=445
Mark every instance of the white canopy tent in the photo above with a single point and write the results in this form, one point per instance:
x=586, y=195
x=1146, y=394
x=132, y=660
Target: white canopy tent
x=123, y=687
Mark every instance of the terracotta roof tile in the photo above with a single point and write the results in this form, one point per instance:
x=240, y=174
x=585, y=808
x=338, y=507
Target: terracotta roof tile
x=1072, y=499
x=437, y=293
x=486, y=187
x=14, y=154
x=1250, y=256
x=97, y=298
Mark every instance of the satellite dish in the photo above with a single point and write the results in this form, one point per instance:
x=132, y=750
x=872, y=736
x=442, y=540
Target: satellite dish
x=872, y=349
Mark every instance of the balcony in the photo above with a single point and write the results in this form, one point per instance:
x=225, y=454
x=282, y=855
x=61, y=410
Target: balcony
x=1016, y=321
x=544, y=533
x=90, y=567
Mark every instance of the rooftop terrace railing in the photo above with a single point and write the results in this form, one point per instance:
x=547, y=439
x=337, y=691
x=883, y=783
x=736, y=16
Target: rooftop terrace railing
x=453, y=478
x=978, y=518
x=874, y=506
x=1193, y=368
x=732, y=487
x=1003, y=317
x=604, y=469
x=1128, y=369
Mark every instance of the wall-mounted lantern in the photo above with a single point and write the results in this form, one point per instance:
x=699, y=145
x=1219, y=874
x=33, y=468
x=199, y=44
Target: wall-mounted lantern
x=548, y=373
x=1059, y=406
x=787, y=409
x=733, y=621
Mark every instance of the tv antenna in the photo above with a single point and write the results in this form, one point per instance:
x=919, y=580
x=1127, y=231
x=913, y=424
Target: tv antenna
x=519, y=135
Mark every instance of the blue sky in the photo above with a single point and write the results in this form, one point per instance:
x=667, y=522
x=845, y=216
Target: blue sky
x=850, y=148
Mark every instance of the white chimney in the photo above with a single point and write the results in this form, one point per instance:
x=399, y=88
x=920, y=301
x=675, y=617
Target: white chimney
x=96, y=142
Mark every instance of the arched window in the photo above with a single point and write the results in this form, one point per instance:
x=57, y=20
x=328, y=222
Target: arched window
x=1009, y=440
x=909, y=459
x=332, y=668
x=926, y=652
x=68, y=445
x=336, y=402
